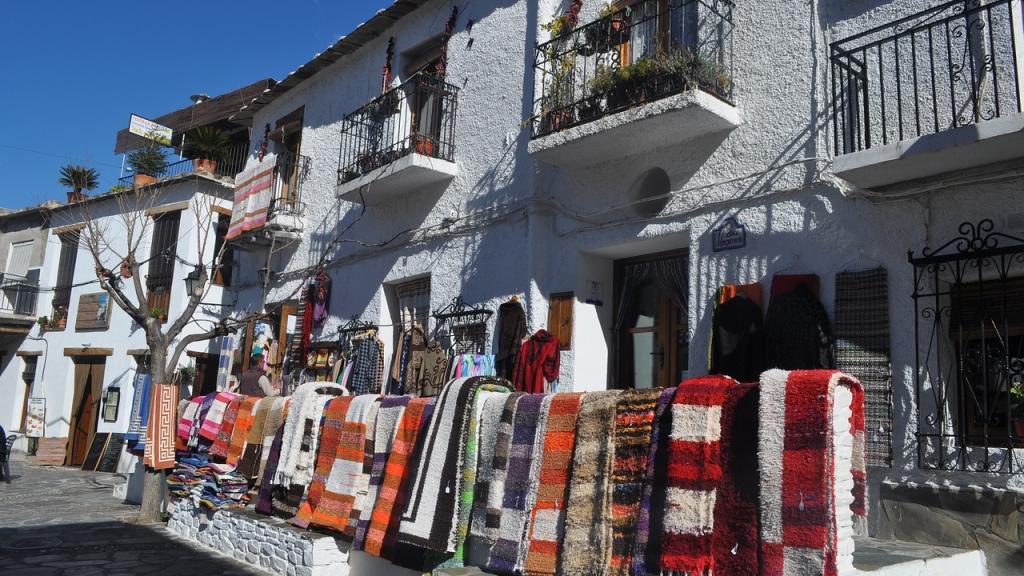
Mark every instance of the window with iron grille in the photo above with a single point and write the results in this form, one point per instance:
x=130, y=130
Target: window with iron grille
x=162, y=253
x=413, y=299
x=65, y=271
x=969, y=377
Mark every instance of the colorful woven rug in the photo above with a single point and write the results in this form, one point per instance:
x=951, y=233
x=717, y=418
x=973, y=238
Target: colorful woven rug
x=694, y=475
x=528, y=423
x=240, y=434
x=486, y=517
x=215, y=416
x=227, y=426
x=808, y=419
x=160, y=432
x=547, y=520
x=330, y=435
x=433, y=505
x=275, y=419
x=389, y=414
x=634, y=424
x=586, y=548
x=387, y=510
x=654, y=483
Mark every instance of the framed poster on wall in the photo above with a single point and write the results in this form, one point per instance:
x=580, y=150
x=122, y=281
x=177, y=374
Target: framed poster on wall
x=93, y=311
x=35, y=418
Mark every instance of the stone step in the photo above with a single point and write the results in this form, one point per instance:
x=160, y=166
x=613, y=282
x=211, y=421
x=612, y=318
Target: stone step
x=874, y=557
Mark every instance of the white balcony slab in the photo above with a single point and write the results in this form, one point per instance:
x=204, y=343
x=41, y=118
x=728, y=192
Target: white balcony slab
x=402, y=176
x=874, y=557
x=673, y=120
x=962, y=148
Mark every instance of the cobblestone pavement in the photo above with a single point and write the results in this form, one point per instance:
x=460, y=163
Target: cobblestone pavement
x=65, y=522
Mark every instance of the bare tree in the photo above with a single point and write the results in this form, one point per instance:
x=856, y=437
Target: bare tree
x=114, y=241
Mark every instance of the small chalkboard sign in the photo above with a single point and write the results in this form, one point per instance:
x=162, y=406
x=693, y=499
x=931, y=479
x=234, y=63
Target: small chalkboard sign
x=92, y=458
x=111, y=454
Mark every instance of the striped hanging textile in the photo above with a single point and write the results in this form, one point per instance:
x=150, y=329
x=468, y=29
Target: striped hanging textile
x=862, y=350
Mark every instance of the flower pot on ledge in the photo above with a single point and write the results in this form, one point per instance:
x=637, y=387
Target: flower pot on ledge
x=425, y=146
x=140, y=180
x=204, y=165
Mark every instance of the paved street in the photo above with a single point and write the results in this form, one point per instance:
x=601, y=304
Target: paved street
x=64, y=522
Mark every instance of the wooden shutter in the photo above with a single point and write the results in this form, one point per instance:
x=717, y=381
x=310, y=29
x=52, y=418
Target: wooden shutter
x=66, y=269
x=162, y=254
x=560, y=318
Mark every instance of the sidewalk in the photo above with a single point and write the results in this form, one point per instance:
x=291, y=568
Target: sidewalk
x=65, y=522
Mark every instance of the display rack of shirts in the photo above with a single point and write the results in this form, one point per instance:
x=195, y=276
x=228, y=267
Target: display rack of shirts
x=462, y=328
x=348, y=330
x=798, y=331
x=407, y=361
x=367, y=364
x=737, y=333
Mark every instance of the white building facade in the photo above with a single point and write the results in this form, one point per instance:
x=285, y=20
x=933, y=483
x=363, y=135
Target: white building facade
x=811, y=139
x=87, y=351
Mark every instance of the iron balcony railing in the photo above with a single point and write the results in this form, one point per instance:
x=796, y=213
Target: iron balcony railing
x=290, y=176
x=232, y=163
x=645, y=52
x=18, y=295
x=953, y=65
x=416, y=117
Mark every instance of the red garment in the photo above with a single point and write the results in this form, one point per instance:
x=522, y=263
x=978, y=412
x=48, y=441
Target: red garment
x=539, y=360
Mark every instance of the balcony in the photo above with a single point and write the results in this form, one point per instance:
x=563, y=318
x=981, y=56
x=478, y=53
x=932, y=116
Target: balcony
x=18, y=297
x=651, y=75
x=259, y=218
x=232, y=163
x=931, y=93
x=400, y=141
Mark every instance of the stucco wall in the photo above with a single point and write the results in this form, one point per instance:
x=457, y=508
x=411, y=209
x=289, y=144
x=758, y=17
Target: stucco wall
x=520, y=226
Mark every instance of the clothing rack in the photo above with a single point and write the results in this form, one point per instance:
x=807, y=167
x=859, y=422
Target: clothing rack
x=352, y=327
x=465, y=326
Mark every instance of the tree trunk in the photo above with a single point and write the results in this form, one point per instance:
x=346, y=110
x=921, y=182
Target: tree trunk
x=153, y=484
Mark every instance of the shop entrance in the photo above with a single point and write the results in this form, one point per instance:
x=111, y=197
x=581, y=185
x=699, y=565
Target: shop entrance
x=652, y=343
x=84, y=406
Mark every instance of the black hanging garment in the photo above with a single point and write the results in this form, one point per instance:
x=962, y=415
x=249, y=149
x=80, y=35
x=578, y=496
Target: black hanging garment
x=511, y=331
x=799, y=334
x=737, y=340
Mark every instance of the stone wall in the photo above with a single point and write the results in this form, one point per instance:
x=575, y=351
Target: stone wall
x=265, y=542
x=972, y=518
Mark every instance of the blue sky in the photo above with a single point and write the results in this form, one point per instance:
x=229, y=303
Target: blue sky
x=71, y=72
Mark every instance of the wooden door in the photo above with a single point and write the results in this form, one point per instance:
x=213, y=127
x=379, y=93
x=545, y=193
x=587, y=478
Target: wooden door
x=84, y=408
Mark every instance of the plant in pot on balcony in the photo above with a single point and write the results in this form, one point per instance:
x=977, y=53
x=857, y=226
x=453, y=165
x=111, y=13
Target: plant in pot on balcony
x=1017, y=410
x=206, y=146
x=147, y=162
x=78, y=178
x=557, y=103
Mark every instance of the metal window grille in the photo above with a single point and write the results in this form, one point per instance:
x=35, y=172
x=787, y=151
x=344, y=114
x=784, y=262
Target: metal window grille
x=66, y=269
x=969, y=328
x=413, y=303
x=162, y=254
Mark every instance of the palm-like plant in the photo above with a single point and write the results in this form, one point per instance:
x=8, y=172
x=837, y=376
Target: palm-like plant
x=207, y=143
x=78, y=178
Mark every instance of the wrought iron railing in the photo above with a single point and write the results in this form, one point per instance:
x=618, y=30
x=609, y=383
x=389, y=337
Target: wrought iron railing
x=18, y=295
x=645, y=52
x=232, y=163
x=290, y=176
x=416, y=117
x=969, y=331
x=952, y=65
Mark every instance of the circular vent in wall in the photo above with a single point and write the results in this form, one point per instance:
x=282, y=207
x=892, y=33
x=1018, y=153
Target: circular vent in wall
x=649, y=193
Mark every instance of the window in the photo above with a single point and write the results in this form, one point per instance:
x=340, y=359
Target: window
x=65, y=277
x=658, y=26
x=987, y=329
x=652, y=344
x=162, y=254
x=19, y=259
x=413, y=299
x=222, y=262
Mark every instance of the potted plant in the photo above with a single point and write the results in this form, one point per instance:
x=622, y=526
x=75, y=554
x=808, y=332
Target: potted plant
x=159, y=313
x=1017, y=410
x=147, y=162
x=78, y=178
x=557, y=107
x=206, y=146
x=424, y=144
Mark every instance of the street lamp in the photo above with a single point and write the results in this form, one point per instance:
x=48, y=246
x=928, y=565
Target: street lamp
x=193, y=283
